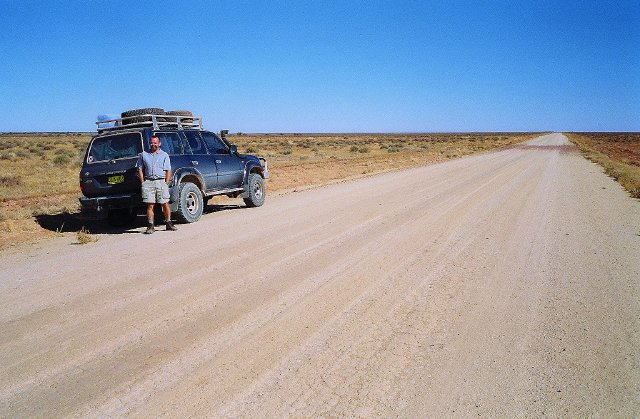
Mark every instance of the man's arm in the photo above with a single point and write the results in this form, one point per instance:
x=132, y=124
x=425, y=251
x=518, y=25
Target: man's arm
x=139, y=165
x=166, y=166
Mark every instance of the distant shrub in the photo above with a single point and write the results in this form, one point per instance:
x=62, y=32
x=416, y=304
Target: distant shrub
x=62, y=160
x=10, y=180
x=354, y=149
x=363, y=149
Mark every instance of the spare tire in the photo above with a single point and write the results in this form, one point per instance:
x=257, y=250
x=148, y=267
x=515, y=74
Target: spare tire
x=180, y=113
x=143, y=111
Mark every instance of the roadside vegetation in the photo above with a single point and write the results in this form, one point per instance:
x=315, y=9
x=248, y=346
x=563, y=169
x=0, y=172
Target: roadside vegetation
x=618, y=153
x=299, y=160
x=39, y=173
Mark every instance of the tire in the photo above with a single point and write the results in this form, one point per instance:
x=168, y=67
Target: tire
x=182, y=120
x=143, y=111
x=256, y=190
x=190, y=203
x=122, y=217
x=180, y=113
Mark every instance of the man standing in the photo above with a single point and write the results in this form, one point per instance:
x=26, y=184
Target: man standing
x=154, y=172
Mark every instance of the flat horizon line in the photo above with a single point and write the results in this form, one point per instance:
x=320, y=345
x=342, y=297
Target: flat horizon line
x=241, y=133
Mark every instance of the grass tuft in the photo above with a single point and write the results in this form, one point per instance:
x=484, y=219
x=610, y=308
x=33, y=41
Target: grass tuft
x=10, y=181
x=84, y=236
x=61, y=160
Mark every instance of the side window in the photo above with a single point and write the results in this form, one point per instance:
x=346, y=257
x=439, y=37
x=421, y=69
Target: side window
x=195, y=142
x=172, y=143
x=214, y=144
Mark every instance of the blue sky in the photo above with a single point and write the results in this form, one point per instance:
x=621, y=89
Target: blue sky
x=324, y=66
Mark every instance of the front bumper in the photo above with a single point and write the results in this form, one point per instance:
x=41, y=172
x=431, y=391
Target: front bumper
x=99, y=207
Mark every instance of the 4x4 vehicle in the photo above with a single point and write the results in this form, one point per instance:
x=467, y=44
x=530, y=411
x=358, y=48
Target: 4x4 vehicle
x=203, y=165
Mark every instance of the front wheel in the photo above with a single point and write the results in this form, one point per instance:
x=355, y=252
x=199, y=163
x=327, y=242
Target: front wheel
x=190, y=203
x=256, y=191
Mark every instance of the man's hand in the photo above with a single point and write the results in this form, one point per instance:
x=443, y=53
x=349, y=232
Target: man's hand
x=140, y=175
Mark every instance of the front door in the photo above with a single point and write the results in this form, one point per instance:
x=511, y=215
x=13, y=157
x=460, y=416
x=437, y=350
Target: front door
x=202, y=161
x=230, y=168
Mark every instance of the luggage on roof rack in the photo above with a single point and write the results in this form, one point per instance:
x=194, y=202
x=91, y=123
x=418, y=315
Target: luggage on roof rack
x=151, y=117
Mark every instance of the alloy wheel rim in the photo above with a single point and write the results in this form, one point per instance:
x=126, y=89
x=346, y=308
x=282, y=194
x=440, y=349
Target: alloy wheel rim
x=192, y=202
x=257, y=190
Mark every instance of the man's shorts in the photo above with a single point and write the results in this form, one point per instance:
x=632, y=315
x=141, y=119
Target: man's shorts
x=155, y=191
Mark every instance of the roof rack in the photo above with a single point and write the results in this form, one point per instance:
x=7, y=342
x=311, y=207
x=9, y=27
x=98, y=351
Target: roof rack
x=151, y=120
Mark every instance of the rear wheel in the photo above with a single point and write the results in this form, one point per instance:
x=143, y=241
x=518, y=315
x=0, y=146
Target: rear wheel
x=190, y=203
x=255, y=188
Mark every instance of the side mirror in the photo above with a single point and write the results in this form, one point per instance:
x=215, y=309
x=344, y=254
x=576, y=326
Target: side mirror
x=233, y=149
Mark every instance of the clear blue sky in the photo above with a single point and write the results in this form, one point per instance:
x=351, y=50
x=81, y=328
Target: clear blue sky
x=324, y=66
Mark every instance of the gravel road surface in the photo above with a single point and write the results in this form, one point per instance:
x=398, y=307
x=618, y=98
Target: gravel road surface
x=501, y=284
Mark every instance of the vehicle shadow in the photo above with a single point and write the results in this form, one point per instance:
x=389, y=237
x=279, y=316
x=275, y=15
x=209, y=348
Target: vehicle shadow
x=211, y=208
x=75, y=222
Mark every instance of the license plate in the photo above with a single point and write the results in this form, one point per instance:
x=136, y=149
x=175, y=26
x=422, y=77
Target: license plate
x=112, y=180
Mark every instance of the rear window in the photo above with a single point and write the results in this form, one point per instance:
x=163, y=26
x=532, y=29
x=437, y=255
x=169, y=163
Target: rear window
x=115, y=147
x=172, y=143
x=195, y=142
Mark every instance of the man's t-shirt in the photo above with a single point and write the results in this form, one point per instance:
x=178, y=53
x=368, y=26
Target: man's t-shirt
x=154, y=164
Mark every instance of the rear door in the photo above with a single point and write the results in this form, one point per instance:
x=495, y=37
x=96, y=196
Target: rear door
x=201, y=160
x=176, y=147
x=109, y=168
x=230, y=167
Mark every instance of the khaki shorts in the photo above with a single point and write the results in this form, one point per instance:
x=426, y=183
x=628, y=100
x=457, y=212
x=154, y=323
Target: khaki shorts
x=155, y=191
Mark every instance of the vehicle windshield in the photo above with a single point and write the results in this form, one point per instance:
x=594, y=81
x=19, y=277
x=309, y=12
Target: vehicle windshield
x=115, y=147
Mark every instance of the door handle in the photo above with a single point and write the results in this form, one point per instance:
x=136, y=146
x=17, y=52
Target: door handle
x=194, y=162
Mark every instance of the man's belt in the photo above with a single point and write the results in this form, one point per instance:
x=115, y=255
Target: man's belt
x=153, y=178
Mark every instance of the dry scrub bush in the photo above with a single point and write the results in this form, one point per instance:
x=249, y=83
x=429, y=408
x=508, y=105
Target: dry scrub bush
x=618, y=161
x=84, y=236
x=61, y=160
x=10, y=181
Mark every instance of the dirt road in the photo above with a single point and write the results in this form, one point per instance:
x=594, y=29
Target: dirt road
x=503, y=284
